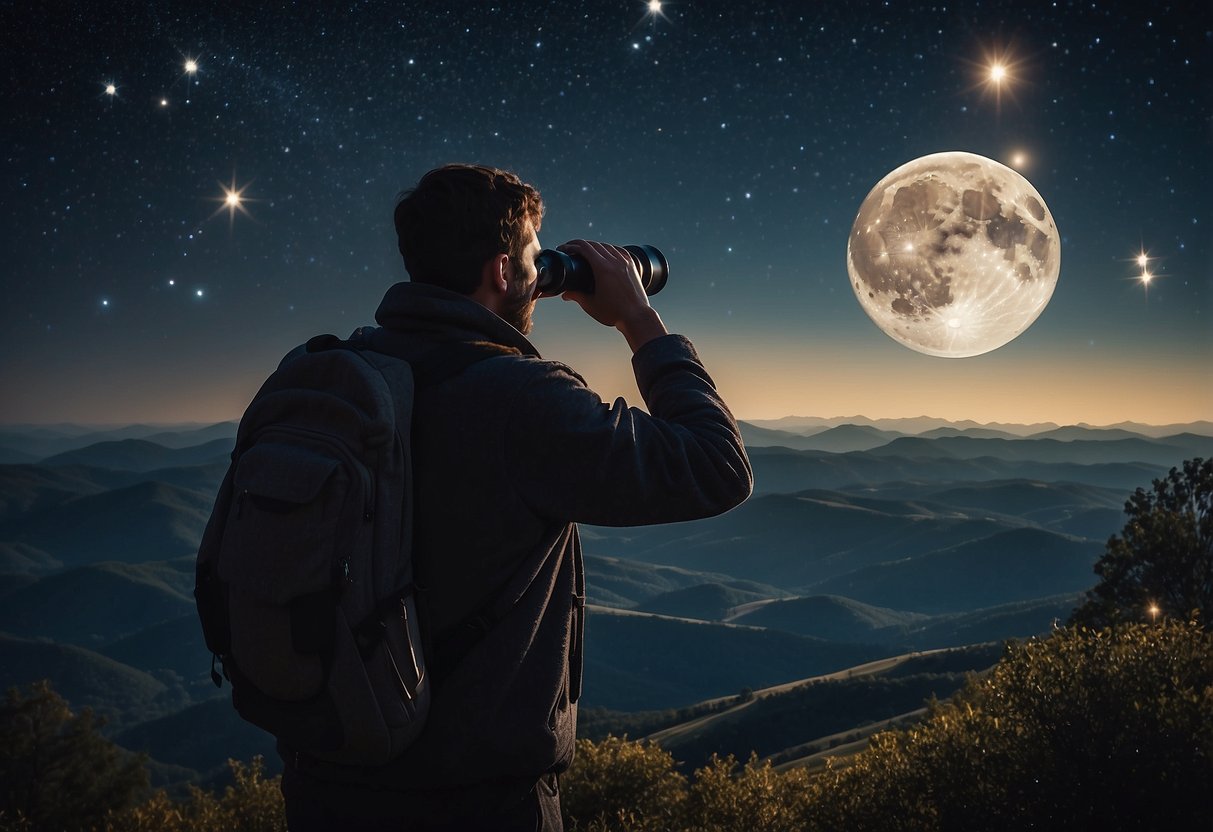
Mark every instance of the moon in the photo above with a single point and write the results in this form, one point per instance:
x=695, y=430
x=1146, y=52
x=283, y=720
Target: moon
x=953, y=255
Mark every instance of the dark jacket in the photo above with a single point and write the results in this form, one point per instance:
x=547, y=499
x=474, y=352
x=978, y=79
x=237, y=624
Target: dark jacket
x=508, y=455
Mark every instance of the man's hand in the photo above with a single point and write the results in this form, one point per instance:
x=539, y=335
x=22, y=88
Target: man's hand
x=619, y=299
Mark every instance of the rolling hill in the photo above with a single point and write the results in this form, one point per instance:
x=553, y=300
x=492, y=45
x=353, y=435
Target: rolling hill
x=42, y=441
x=831, y=618
x=615, y=582
x=26, y=488
x=174, y=644
x=706, y=602
x=839, y=439
x=780, y=470
x=1017, y=565
x=638, y=661
x=781, y=720
x=1022, y=619
x=797, y=540
x=141, y=522
x=1167, y=452
x=176, y=740
x=142, y=455
x=84, y=678
x=97, y=603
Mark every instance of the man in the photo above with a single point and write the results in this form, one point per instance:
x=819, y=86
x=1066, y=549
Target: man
x=508, y=454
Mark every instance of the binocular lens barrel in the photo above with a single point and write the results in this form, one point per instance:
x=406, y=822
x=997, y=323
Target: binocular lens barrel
x=560, y=272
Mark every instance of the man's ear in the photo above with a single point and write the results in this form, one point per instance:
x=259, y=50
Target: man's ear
x=494, y=278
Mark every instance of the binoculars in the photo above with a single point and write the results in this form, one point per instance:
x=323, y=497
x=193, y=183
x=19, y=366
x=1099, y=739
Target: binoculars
x=560, y=272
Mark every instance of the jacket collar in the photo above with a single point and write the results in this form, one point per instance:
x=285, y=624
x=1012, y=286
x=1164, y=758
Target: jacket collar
x=426, y=309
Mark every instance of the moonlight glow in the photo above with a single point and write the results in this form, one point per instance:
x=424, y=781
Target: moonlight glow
x=953, y=255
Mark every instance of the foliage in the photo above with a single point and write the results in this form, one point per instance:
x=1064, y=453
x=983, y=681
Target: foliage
x=757, y=798
x=1084, y=729
x=1163, y=556
x=252, y=804
x=56, y=770
x=622, y=785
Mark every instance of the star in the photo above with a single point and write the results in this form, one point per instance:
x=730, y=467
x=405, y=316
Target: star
x=233, y=200
x=111, y=89
x=191, y=66
x=998, y=72
x=653, y=9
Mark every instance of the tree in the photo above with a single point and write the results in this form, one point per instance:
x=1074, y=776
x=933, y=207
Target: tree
x=1161, y=563
x=56, y=770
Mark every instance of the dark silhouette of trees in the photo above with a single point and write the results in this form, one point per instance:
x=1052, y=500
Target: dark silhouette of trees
x=1161, y=563
x=56, y=770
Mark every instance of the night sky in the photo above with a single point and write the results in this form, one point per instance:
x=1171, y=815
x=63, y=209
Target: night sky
x=740, y=138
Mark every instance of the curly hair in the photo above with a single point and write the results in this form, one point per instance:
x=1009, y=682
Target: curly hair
x=460, y=216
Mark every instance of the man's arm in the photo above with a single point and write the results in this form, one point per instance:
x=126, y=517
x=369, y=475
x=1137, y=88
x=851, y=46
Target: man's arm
x=576, y=458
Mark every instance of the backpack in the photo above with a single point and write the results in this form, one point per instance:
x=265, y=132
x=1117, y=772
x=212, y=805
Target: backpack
x=304, y=580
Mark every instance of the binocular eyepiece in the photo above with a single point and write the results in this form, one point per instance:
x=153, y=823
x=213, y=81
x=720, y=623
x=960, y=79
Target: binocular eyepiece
x=560, y=272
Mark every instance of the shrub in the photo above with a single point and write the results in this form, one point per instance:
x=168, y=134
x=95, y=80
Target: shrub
x=1107, y=730
x=620, y=785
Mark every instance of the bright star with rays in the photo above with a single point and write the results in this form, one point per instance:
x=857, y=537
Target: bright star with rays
x=233, y=200
x=191, y=66
x=997, y=73
x=1147, y=276
x=653, y=9
x=111, y=89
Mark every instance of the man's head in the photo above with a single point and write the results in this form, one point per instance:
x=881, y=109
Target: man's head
x=459, y=217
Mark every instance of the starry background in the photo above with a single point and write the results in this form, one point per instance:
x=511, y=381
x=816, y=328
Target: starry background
x=740, y=138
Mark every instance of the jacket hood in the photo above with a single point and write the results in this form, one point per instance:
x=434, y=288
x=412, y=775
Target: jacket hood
x=421, y=308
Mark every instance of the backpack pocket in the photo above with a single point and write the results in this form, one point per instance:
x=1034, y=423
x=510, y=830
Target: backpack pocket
x=294, y=507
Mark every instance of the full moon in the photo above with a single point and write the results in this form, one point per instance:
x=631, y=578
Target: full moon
x=953, y=255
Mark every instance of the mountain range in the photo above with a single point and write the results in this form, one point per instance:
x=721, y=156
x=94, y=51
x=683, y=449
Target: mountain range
x=819, y=606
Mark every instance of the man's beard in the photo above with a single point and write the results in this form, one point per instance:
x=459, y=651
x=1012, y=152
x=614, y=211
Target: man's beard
x=518, y=306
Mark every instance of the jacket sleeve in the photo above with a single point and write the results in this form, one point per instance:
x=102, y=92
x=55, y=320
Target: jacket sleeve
x=575, y=458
